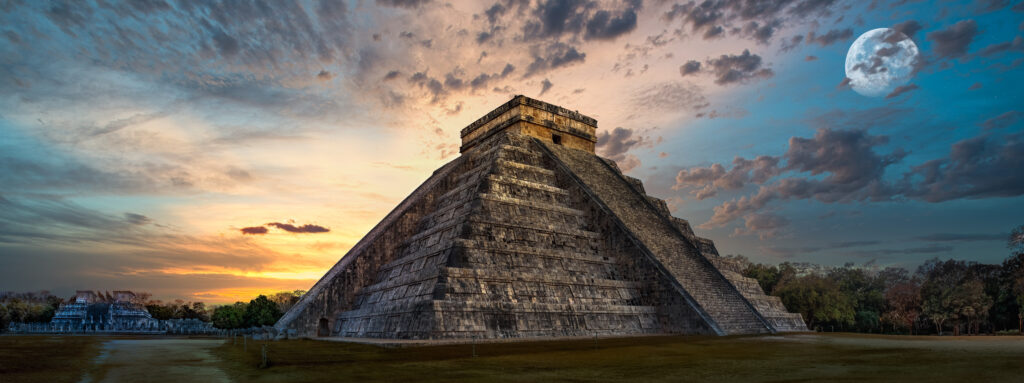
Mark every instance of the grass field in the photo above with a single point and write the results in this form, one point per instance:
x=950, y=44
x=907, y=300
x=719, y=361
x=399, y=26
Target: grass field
x=789, y=358
x=46, y=358
x=780, y=358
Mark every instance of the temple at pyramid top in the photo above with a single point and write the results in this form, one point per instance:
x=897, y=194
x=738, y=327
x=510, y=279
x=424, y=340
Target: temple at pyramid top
x=535, y=118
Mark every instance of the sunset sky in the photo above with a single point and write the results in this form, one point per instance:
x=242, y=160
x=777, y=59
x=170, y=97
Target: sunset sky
x=138, y=139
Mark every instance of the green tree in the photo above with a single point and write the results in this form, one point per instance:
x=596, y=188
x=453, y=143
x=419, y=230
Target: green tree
x=230, y=316
x=903, y=304
x=818, y=299
x=261, y=312
x=286, y=299
x=160, y=311
x=5, y=318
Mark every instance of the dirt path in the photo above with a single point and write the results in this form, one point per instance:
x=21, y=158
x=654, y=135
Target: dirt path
x=158, y=360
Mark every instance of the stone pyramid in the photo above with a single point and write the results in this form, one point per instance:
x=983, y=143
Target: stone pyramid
x=530, y=234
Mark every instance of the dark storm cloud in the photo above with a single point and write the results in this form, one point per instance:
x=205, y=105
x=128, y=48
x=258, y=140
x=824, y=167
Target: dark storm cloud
x=253, y=230
x=830, y=37
x=731, y=69
x=1003, y=120
x=553, y=56
x=616, y=143
x=689, y=68
x=954, y=41
x=961, y=237
x=901, y=90
x=307, y=228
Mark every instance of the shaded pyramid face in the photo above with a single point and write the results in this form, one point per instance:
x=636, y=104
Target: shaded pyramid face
x=529, y=234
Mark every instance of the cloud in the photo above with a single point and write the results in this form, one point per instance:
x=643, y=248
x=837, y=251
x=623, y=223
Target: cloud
x=254, y=230
x=732, y=69
x=755, y=20
x=901, y=90
x=979, y=167
x=483, y=80
x=1003, y=120
x=690, y=67
x=545, y=86
x=811, y=58
x=669, y=97
x=324, y=75
x=954, y=41
x=307, y=228
x=846, y=158
x=1017, y=44
x=764, y=225
x=616, y=143
x=410, y=4
x=843, y=166
x=715, y=177
x=136, y=219
x=961, y=237
x=930, y=249
x=830, y=37
x=792, y=43
x=907, y=28
x=553, y=56
x=603, y=26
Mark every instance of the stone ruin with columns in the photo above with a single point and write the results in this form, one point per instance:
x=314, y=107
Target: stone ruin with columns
x=90, y=313
x=530, y=234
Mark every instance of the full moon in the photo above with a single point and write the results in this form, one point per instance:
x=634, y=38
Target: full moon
x=879, y=61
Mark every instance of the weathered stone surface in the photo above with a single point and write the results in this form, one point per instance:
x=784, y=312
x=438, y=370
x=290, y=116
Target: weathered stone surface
x=526, y=235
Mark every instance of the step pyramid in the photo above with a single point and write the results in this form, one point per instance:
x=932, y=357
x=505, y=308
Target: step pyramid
x=530, y=234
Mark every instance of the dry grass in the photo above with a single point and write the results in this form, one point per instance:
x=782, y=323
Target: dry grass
x=46, y=358
x=791, y=358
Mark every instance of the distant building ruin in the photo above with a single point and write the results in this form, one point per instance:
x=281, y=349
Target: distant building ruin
x=530, y=234
x=90, y=313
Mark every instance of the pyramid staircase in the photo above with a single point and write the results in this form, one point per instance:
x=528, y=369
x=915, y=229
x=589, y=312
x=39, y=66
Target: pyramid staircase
x=521, y=237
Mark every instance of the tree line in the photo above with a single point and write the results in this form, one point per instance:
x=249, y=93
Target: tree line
x=950, y=296
x=33, y=307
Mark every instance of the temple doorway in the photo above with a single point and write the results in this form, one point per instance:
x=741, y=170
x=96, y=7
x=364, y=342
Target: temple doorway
x=322, y=328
